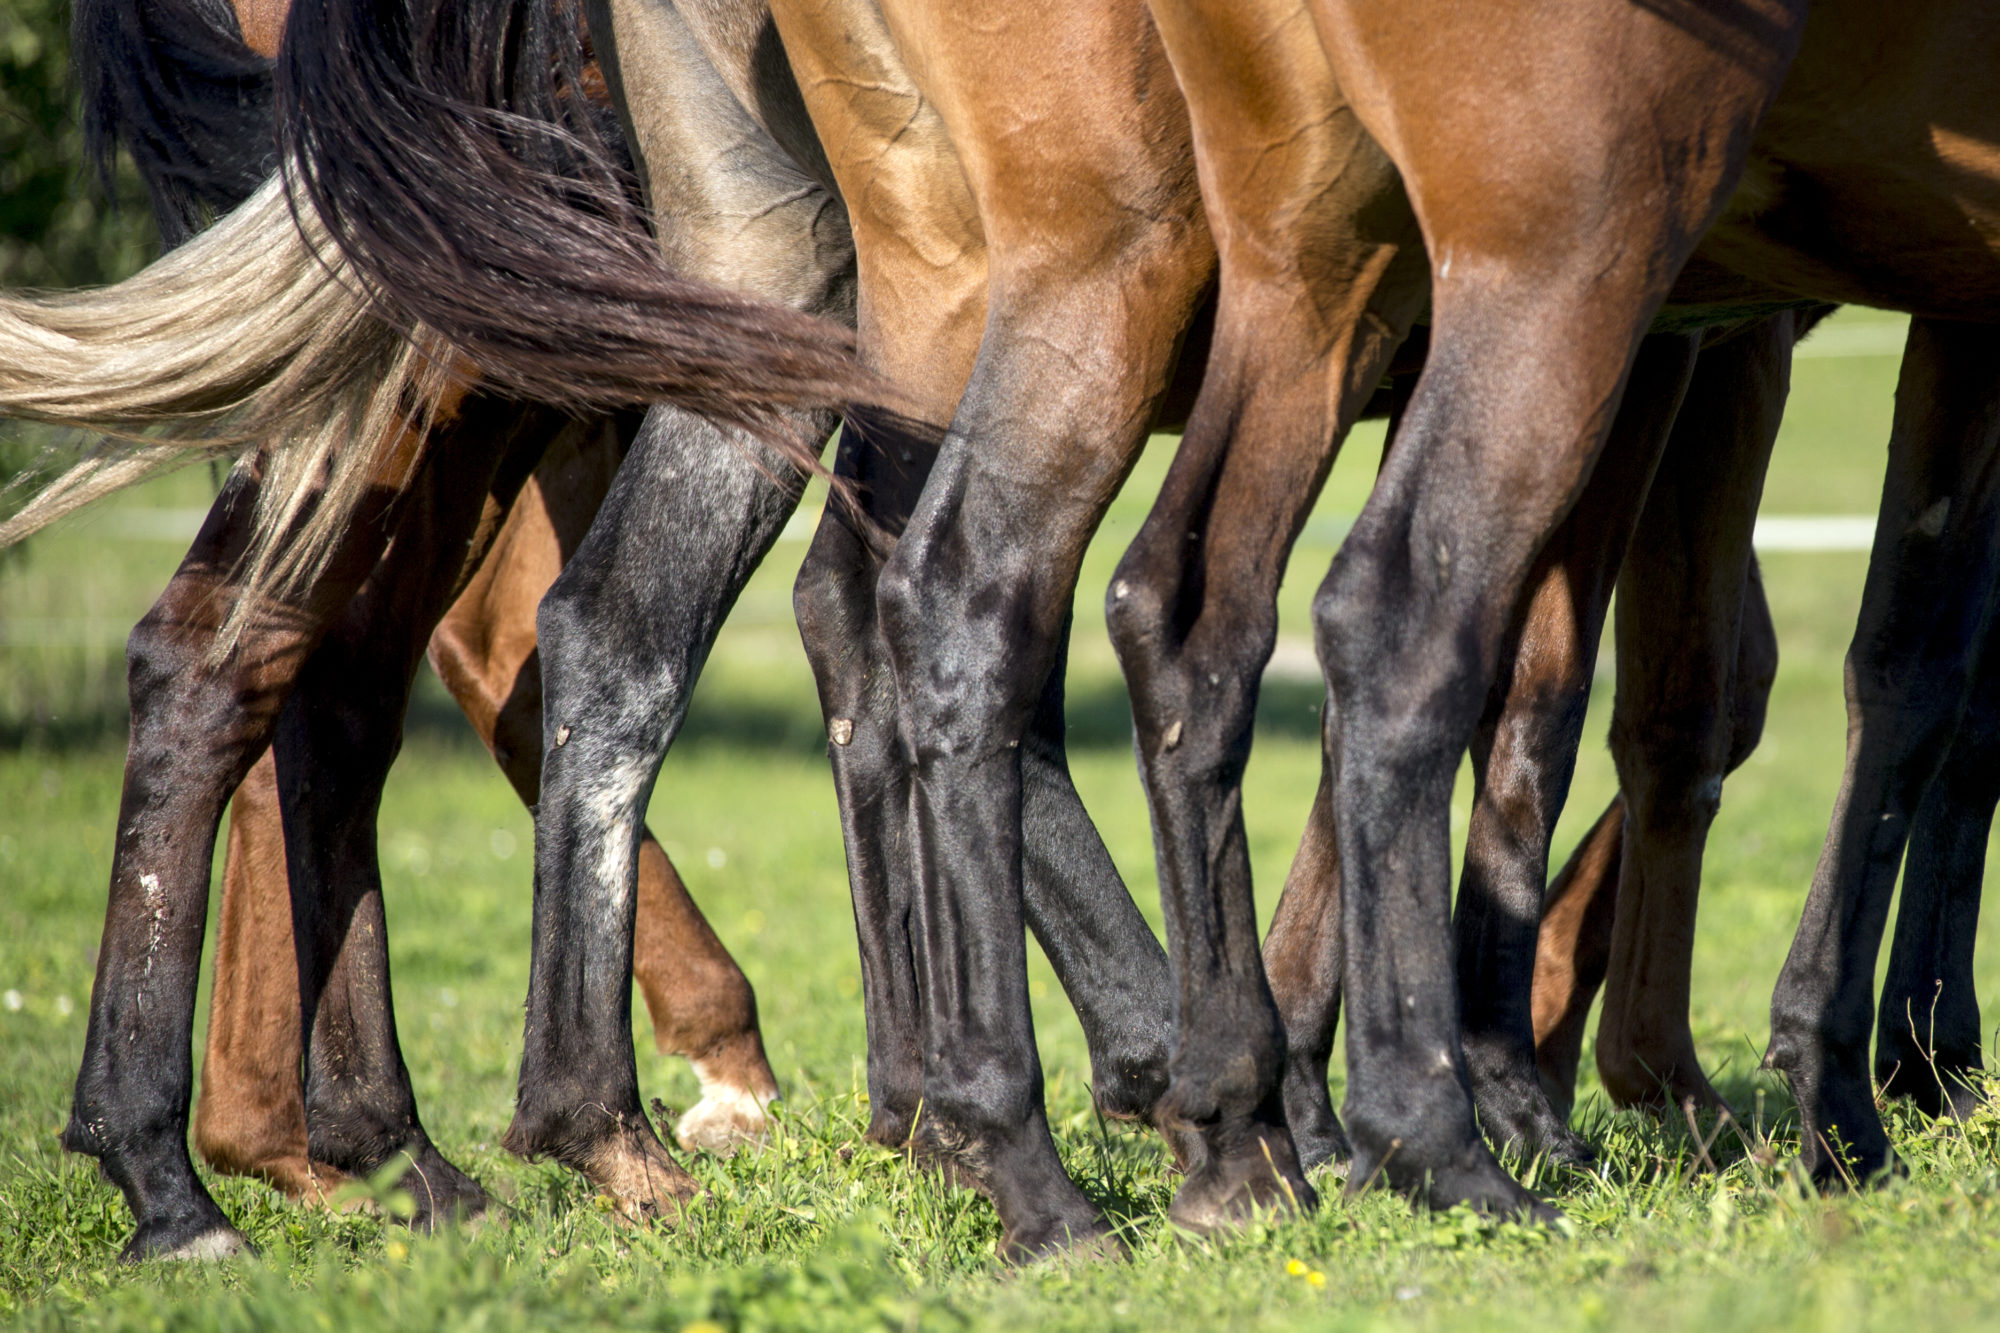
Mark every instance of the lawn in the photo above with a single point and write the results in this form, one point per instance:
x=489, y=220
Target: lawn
x=817, y=1230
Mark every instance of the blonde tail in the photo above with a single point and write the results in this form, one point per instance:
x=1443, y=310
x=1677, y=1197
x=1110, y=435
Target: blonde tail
x=252, y=333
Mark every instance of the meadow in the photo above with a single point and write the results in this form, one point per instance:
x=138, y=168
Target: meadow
x=1678, y=1226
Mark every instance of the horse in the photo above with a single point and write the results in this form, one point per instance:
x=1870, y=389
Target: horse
x=1661, y=175
x=168, y=1203
x=923, y=212
x=149, y=74
x=197, y=728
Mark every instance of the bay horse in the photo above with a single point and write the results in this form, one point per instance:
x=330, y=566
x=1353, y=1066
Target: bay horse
x=1676, y=168
x=924, y=212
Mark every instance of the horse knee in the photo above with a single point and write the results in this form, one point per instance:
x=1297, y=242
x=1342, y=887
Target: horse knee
x=1194, y=687
x=832, y=599
x=1671, y=765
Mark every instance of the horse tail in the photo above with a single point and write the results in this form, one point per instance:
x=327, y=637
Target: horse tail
x=251, y=333
x=172, y=83
x=460, y=164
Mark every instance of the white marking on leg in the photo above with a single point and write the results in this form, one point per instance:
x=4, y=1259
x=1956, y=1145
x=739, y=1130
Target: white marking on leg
x=156, y=930
x=726, y=1117
x=607, y=803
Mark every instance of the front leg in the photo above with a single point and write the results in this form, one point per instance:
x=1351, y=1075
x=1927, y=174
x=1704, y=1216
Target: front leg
x=1922, y=613
x=620, y=650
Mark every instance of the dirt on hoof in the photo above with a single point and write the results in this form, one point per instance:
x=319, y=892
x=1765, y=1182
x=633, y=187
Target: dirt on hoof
x=640, y=1178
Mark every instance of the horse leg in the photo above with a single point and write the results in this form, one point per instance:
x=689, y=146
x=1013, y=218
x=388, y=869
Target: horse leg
x=1524, y=754
x=1922, y=610
x=620, y=645
x=923, y=265
x=197, y=728
x=1573, y=954
x=250, y=1119
x=620, y=649
x=1192, y=609
x=1539, y=304
x=483, y=650
x=337, y=737
x=1927, y=1037
x=1573, y=951
x=1681, y=634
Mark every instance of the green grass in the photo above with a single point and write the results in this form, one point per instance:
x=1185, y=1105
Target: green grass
x=819, y=1231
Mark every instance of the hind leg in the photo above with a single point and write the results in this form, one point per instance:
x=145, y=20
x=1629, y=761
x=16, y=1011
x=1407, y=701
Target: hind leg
x=701, y=1004
x=620, y=649
x=1682, y=632
x=251, y=1118
x=1922, y=612
x=197, y=728
x=337, y=737
x=1927, y=1036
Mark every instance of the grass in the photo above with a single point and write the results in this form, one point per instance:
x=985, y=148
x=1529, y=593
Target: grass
x=817, y=1230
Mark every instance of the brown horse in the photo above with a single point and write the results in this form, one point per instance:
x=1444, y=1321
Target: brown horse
x=939, y=219
x=1560, y=212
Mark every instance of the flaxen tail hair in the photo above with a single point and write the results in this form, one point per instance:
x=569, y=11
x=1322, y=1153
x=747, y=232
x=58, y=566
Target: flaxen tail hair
x=452, y=150
x=246, y=335
x=242, y=338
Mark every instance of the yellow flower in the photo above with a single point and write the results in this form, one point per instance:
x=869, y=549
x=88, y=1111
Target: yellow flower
x=1295, y=1268
x=1316, y=1278
x=396, y=1250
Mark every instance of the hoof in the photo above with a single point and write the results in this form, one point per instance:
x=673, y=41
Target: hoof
x=443, y=1193
x=1490, y=1192
x=1085, y=1238
x=1841, y=1139
x=642, y=1181
x=725, y=1119
x=1469, y=1176
x=1227, y=1191
x=168, y=1243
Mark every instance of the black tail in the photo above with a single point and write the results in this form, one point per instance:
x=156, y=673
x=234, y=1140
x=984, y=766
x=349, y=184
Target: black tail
x=172, y=82
x=455, y=156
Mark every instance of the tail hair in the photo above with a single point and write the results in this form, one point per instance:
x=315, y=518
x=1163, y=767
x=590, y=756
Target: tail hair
x=460, y=167
x=244, y=336
x=172, y=82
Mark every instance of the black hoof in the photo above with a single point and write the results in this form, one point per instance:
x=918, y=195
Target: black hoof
x=1514, y=1110
x=443, y=1194
x=1468, y=1176
x=1229, y=1189
x=1083, y=1236
x=1842, y=1144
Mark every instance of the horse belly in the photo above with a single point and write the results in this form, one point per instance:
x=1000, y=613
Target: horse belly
x=1875, y=178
